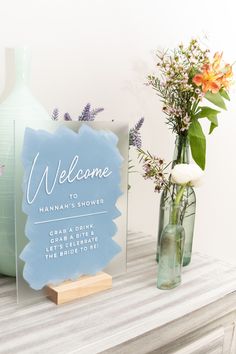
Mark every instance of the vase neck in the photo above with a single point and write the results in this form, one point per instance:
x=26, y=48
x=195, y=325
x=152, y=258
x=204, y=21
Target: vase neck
x=181, y=152
x=175, y=214
x=22, y=66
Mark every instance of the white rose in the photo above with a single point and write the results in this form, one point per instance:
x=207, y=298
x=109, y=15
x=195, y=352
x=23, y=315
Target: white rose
x=197, y=176
x=187, y=173
x=180, y=174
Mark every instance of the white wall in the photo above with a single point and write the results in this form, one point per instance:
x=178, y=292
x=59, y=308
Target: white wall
x=100, y=51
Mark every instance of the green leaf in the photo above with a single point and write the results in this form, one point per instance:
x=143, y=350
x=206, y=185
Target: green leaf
x=206, y=112
x=216, y=99
x=213, y=125
x=224, y=94
x=214, y=122
x=197, y=143
x=211, y=114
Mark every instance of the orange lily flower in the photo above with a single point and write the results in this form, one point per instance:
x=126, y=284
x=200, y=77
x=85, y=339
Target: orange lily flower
x=228, y=74
x=213, y=78
x=208, y=79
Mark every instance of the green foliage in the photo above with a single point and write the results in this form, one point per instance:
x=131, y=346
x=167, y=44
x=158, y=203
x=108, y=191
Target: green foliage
x=224, y=94
x=214, y=124
x=197, y=141
x=211, y=115
x=216, y=99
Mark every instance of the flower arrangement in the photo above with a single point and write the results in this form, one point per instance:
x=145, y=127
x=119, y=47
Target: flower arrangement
x=192, y=85
x=187, y=78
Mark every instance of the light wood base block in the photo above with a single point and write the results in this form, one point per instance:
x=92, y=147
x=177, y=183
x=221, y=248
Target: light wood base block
x=84, y=286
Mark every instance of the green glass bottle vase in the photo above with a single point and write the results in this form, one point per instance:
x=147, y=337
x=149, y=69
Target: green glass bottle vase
x=171, y=250
x=19, y=105
x=187, y=218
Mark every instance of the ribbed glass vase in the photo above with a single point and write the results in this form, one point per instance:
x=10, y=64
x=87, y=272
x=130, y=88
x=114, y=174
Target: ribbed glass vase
x=171, y=250
x=187, y=219
x=20, y=105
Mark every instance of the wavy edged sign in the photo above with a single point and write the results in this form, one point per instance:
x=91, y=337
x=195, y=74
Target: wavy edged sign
x=70, y=190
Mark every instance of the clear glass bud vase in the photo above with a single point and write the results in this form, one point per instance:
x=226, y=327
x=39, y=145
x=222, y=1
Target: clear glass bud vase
x=187, y=219
x=171, y=250
x=19, y=105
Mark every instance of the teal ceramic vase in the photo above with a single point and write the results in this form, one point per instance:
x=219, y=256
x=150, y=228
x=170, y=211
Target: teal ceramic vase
x=20, y=105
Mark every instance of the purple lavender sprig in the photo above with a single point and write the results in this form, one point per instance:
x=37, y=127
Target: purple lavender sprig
x=67, y=117
x=135, y=135
x=95, y=111
x=87, y=114
x=55, y=114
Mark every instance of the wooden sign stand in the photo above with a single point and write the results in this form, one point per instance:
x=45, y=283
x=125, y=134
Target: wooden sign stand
x=84, y=286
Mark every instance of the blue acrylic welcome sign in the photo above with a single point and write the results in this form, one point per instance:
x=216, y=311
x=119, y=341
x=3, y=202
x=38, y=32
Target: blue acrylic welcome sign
x=73, y=179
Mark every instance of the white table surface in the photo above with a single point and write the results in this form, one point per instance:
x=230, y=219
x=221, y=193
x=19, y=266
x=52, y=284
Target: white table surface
x=104, y=321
